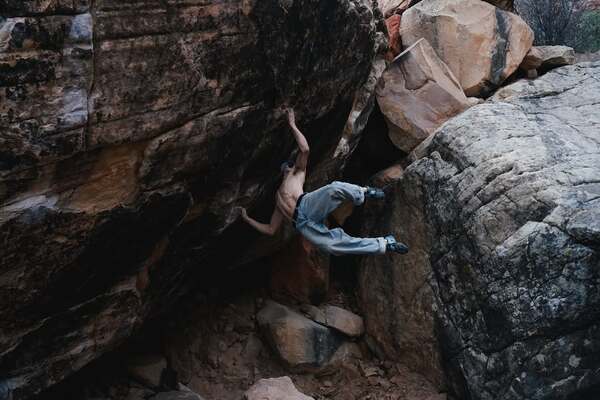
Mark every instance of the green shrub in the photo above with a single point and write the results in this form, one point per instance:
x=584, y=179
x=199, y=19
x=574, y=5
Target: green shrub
x=587, y=32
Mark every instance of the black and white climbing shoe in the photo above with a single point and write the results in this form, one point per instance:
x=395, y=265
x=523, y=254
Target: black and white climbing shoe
x=395, y=246
x=374, y=193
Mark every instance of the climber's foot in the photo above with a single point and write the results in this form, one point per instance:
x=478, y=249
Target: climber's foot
x=374, y=193
x=395, y=246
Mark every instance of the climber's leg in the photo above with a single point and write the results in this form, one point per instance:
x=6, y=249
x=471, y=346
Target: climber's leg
x=317, y=205
x=337, y=242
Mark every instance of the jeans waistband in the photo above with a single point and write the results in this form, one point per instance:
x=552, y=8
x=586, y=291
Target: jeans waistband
x=295, y=216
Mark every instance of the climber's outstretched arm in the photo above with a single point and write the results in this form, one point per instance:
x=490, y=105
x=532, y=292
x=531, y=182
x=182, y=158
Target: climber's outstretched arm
x=302, y=159
x=267, y=229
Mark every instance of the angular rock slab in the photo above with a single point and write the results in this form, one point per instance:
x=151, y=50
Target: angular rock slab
x=343, y=320
x=337, y=318
x=507, y=203
x=298, y=341
x=482, y=44
x=416, y=94
x=275, y=389
x=548, y=57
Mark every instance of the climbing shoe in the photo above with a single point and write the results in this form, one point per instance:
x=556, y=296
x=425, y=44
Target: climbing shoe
x=395, y=246
x=374, y=193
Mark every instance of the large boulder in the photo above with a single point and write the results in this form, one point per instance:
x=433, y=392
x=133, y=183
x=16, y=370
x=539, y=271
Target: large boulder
x=130, y=131
x=482, y=44
x=502, y=214
x=389, y=7
x=299, y=342
x=416, y=94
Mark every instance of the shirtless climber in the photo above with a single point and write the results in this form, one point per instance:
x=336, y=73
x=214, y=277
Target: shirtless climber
x=308, y=211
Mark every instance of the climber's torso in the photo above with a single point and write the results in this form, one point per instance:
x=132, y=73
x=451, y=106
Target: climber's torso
x=290, y=190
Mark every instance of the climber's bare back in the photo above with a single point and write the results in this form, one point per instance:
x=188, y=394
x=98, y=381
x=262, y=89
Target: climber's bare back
x=291, y=187
x=290, y=190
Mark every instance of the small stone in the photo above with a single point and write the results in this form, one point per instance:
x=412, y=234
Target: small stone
x=370, y=371
x=275, y=389
x=177, y=395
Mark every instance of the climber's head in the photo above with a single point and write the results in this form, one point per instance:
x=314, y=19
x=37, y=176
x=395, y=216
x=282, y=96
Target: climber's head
x=286, y=166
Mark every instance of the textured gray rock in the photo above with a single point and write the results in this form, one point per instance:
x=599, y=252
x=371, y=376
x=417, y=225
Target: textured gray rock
x=503, y=217
x=129, y=131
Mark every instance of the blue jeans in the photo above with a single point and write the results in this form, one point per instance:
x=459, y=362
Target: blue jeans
x=314, y=207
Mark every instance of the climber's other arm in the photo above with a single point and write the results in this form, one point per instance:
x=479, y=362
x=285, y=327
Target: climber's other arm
x=302, y=159
x=268, y=229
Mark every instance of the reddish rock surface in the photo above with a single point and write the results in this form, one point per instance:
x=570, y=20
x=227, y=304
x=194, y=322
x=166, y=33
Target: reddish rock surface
x=393, y=26
x=300, y=272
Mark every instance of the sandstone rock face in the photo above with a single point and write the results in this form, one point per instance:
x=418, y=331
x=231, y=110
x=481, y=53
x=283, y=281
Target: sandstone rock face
x=503, y=213
x=548, y=57
x=275, y=389
x=480, y=43
x=417, y=94
x=298, y=341
x=130, y=130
